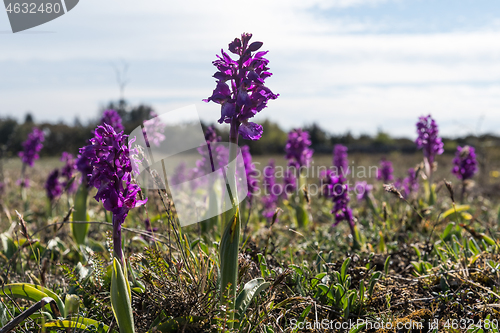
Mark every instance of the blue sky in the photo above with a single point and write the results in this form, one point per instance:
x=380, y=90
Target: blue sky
x=356, y=65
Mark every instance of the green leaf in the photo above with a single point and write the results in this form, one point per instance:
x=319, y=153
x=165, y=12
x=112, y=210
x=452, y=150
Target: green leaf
x=302, y=216
x=317, y=279
x=120, y=299
x=447, y=231
x=361, y=292
x=343, y=270
x=4, y=315
x=386, y=265
x=229, y=248
x=375, y=277
x=357, y=328
x=66, y=324
x=32, y=292
x=488, y=240
x=80, y=230
x=91, y=322
x=457, y=208
x=250, y=290
x=80, y=323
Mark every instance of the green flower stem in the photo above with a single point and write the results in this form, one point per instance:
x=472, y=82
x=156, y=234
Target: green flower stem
x=229, y=245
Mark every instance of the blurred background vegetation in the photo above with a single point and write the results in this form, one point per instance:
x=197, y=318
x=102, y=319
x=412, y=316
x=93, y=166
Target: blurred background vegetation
x=61, y=136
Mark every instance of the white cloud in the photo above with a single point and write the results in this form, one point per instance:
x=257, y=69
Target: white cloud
x=323, y=73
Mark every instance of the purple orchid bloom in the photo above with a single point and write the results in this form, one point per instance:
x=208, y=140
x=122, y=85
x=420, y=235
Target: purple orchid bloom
x=428, y=139
x=32, y=146
x=385, y=172
x=297, y=148
x=53, y=186
x=108, y=154
x=240, y=87
x=465, y=163
x=340, y=161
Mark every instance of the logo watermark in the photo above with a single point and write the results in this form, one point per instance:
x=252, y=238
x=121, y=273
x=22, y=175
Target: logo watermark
x=26, y=14
x=174, y=142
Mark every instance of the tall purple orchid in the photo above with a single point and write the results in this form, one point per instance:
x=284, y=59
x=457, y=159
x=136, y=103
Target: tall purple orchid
x=31, y=148
x=297, y=148
x=240, y=87
x=340, y=161
x=464, y=165
x=336, y=187
x=385, y=172
x=113, y=119
x=428, y=139
x=53, y=185
x=242, y=94
x=108, y=155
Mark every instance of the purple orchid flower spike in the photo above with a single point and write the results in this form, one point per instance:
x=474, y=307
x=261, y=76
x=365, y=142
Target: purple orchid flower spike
x=32, y=146
x=297, y=148
x=429, y=141
x=464, y=166
x=465, y=163
x=340, y=161
x=240, y=87
x=108, y=154
x=385, y=172
x=53, y=186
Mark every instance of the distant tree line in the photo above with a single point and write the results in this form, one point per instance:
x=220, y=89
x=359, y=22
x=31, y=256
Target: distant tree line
x=61, y=137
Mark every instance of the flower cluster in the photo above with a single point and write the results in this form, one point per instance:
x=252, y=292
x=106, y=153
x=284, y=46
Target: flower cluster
x=385, y=172
x=108, y=154
x=340, y=161
x=68, y=170
x=251, y=172
x=335, y=186
x=465, y=163
x=113, y=119
x=297, y=148
x=428, y=138
x=339, y=192
x=53, y=186
x=240, y=87
x=32, y=146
